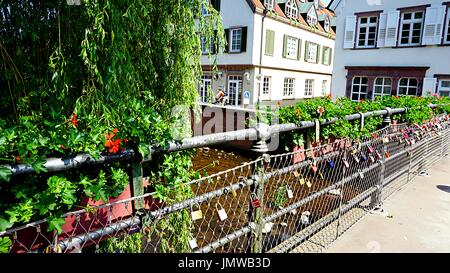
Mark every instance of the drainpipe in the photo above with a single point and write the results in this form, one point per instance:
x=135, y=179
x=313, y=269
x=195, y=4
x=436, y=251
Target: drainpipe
x=261, y=54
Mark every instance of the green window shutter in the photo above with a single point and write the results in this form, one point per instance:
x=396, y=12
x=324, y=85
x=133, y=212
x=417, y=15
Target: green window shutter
x=285, y=45
x=331, y=56
x=323, y=54
x=299, y=52
x=318, y=54
x=270, y=40
x=306, y=50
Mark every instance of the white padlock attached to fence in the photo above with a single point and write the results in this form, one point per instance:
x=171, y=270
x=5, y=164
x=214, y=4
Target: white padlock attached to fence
x=289, y=191
x=221, y=212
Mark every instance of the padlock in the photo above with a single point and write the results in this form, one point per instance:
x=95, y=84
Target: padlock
x=193, y=244
x=363, y=157
x=221, y=212
x=400, y=140
x=344, y=160
x=378, y=155
x=196, y=214
x=385, y=139
x=255, y=201
x=296, y=174
x=375, y=136
x=370, y=149
x=361, y=174
x=407, y=142
x=233, y=192
x=355, y=157
x=330, y=163
x=413, y=141
x=371, y=158
x=309, y=184
x=321, y=175
x=302, y=181
x=314, y=165
x=289, y=192
x=386, y=154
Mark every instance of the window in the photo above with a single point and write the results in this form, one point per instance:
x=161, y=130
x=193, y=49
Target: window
x=382, y=87
x=367, y=31
x=268, y=4
x=236, y=36
x=205, y=87
x=309, y=88
x=359, y=88
x=324, y=88
x=408, y=86
x=205, y=48
x=447, y=29
x=326, y=56
x=327, y=24
x=411, y=28
x=288, y=90
x=311, y=52
x=291, y=9
x=444, y=88
x=292, y=48
x=234, y=90
x=311, y=17
x=205, y=11
x=266, y=86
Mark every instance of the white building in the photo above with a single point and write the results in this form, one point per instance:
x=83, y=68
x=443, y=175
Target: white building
x=278, y=50
x=391, y=47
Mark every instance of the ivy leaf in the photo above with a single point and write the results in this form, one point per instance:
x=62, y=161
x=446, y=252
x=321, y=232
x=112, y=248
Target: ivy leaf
x=5, y=174
x=5, y=244
x=4, y=225
x=55, y=222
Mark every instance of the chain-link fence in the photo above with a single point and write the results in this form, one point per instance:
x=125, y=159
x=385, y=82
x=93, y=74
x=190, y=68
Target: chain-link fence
x=293, y=202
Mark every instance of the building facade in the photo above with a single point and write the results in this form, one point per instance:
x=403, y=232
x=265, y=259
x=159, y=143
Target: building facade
x=386, y=47
x=277, y=50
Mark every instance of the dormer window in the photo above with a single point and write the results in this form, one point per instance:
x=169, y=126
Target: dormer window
x=311, y=18
x=269, y=4
x=327, y=24
x=291, y=9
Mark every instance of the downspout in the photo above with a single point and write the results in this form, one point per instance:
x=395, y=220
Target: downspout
x=261, y=55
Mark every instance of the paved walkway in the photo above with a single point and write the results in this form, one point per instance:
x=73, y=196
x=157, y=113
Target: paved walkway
x=418, y=219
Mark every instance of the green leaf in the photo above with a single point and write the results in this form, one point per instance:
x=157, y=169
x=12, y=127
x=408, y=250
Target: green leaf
x=39, y=167
x=55, y=223
x=5, y=174
x=4, y=224
x=5, y=244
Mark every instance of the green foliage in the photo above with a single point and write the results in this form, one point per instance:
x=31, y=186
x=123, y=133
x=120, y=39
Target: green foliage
x=124, y=244
x=5, y=244
x=280, y=197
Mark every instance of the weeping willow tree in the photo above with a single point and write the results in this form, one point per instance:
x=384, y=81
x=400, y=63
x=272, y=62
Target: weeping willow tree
x=71, y=73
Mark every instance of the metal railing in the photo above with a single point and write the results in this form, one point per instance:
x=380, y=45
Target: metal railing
x=292, y=202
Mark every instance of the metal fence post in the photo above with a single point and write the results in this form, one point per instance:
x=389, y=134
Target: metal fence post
x=256, y=215
x=137, y=183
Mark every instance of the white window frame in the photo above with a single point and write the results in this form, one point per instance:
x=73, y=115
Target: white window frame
x=206, y=83
x=407, y=86
x=360, y=85
x=367, y=27
x=441, y=88
x=203, y=45
x=269, y=4
x=288, y=88
x=324, y=88
x=312, y=52
x=291, y=9
x=447, y=28
x=326, y=56
x=235, y=44
x=309, y=88
x=235, y=98
x=266, y=86
x=383, y=87
x=292, y=47
x=411, y=21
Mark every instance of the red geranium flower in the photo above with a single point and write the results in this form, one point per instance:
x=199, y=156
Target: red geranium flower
x=18, y=158
x=112, y=145
x=74, y=120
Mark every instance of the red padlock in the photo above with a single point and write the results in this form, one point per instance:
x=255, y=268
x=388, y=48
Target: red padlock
x=370, y=149
x=255, y=201
x=386, y=154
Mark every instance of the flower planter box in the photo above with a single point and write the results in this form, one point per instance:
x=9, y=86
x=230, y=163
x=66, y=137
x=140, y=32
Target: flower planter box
x=30, y=239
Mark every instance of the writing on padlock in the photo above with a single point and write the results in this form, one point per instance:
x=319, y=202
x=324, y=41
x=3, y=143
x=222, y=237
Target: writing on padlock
x=255, y=201
x=196, y=214
x=289, y=192
x=221, y=212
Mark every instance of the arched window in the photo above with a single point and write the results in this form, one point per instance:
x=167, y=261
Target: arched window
x=291, y=9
